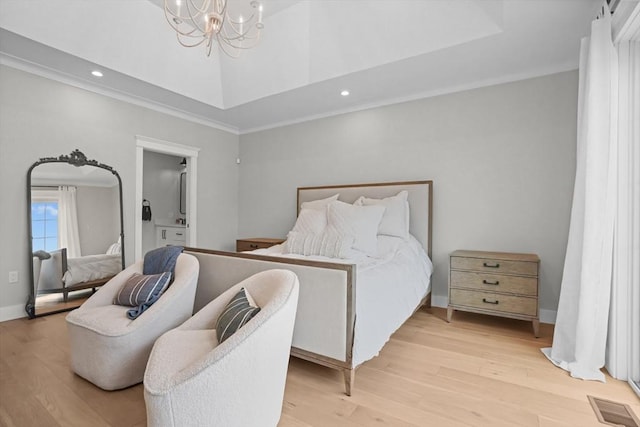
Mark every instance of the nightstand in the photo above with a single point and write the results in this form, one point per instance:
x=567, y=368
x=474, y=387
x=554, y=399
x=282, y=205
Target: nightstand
x=496, y=283
x=254, y=243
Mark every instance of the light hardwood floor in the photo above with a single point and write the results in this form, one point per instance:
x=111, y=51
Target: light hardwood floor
x=476, y=371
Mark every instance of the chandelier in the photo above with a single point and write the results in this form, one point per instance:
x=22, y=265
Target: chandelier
x=199, y=22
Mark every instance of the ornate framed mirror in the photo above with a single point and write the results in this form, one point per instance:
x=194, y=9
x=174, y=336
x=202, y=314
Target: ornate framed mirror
x=75, y=231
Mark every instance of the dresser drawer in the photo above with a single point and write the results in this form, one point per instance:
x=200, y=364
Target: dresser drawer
x=243, y=245
x=494, y=265
x=494, y=302
x=171, y=236
x=177, y=235
x=495, y=282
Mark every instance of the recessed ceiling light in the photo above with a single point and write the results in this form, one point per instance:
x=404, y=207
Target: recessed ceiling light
x=344, y=93
x=96, y=73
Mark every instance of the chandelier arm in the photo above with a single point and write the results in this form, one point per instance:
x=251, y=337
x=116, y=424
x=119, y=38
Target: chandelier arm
x=200, y=10
x=239, y=37
x=189, y=45
x=224, y=47
x=207, y=21
x=194, y=20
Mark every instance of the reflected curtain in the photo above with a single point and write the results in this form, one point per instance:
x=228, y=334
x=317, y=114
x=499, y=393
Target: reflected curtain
x=68, y=234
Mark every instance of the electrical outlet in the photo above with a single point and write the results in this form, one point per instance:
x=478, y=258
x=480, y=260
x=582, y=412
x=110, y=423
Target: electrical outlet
x=13, y=277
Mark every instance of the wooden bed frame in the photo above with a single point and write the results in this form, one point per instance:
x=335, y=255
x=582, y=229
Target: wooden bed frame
x=54, y=283
x=325, y=318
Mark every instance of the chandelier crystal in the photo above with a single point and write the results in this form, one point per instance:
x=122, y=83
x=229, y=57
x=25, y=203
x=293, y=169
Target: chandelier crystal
x=199, y=22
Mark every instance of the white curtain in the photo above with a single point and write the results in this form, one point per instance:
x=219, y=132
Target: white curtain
x=580, y=335
x=623, y=346
x=598, y=321
x=68, y=234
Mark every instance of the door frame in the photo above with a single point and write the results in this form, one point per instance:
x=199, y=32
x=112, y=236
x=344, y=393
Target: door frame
x=145, y=143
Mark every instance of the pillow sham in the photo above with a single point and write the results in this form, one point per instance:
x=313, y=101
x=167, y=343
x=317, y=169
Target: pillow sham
x=235, y=315
x=361, y=222
x=319, y=204
x=395, y=221
x=141, y=291
x=114, y=249
x=329, y=244
x=310, y=221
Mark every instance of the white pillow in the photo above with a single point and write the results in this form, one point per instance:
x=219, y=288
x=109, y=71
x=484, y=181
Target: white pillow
x=395, y=221
x=329, y=244
x=359, y=221
x=114, y=249
x=311, y=221
x=319, y=204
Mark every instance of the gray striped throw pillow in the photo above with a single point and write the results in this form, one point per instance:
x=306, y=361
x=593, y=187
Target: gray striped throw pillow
x=235, y=315
x=140, y=289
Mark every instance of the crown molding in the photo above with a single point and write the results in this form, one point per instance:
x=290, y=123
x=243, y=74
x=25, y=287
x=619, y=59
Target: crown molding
x=509, y=78
x=51, y=74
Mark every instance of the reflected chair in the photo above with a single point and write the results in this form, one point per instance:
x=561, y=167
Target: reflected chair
x=109, y=349
x=191, y=380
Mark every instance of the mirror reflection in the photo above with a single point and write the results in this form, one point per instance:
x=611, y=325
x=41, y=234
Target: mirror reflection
x=75, y=229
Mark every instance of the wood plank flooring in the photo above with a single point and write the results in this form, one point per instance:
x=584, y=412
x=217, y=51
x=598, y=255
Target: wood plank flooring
x=477, y=371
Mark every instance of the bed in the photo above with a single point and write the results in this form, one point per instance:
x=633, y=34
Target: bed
x=347, y=308
x=60, y=274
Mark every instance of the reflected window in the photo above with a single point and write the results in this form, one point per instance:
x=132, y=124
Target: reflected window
x=44, y=219
x=44, y=225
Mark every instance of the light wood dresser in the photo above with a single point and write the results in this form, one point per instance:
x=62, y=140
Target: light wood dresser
x=496, y=283
x=254, y=243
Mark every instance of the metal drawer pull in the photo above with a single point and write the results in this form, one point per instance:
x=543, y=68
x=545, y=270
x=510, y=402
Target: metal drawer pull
x=486, y=282
x=490, y=302
x=253, y=246
x=178, y=234
x=496, y=265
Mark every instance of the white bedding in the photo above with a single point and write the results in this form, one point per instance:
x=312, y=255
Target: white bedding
x=389, y=288
x=91, y=267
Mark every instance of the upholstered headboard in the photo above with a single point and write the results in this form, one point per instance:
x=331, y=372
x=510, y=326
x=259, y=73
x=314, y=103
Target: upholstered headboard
x=420, y=201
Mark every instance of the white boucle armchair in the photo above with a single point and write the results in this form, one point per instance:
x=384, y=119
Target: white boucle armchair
x=109, y=349
x=191, y=380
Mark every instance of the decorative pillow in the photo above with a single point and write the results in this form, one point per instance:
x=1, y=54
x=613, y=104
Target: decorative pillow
x=114, y=249
x=361, y=222
x=141, y=291
x=319, y=204
x=329, y=244
x=235, y=315
x=395, y=221
x=311, y=221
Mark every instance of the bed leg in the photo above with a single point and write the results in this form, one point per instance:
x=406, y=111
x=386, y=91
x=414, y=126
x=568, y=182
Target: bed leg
x=349, y=378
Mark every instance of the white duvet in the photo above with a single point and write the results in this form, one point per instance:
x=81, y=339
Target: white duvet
x=389, y=288
x=91, y=267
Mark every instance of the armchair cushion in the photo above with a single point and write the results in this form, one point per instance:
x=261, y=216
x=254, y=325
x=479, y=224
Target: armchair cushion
x=235, y=315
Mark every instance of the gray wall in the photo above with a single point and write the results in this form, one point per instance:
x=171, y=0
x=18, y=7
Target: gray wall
x=502, y=159
x=40, y=117
x=98, y=218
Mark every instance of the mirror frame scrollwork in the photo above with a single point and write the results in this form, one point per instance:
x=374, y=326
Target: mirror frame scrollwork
x=76, y=158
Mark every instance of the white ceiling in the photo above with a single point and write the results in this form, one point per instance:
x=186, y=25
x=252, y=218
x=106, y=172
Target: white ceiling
x=382, y=51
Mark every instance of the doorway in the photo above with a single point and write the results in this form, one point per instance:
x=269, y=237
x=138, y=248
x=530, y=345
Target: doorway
x=157, y=149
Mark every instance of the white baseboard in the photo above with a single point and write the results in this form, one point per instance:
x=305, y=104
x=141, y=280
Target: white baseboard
x=546, y=316
x=439, y=301
x=12, y=312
